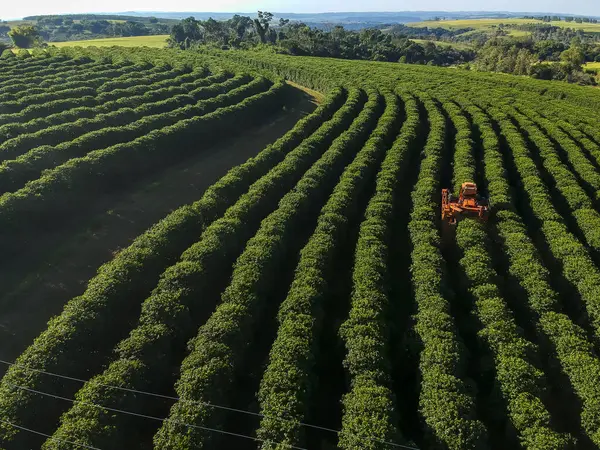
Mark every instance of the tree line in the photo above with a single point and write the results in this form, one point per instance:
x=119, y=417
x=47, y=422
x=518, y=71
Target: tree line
x=297, y=38
x=80, y=27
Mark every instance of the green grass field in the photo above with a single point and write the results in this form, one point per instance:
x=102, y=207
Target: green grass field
x=135, y=41
x=483, y=24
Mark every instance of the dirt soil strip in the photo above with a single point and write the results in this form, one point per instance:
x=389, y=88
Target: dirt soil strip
x=41, y=292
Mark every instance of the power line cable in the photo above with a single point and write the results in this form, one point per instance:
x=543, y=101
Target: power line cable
x=197, y=402
x=39, y=433
x=160, y=419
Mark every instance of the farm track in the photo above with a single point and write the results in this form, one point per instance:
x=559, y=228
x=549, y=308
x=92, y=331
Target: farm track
x=313, y=283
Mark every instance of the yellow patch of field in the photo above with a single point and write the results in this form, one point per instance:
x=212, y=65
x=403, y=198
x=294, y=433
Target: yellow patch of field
x=457, y=45
x=593, y=65
x=157, y=41
x=482, y=24
x=518, y=33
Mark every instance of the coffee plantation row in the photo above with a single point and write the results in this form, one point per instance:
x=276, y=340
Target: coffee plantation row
x=312, y=296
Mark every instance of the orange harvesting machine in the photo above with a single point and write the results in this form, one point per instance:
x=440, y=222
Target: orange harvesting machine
x=468, y=204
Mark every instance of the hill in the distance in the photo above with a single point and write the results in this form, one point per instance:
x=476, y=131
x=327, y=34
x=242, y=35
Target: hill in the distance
x=353, y=17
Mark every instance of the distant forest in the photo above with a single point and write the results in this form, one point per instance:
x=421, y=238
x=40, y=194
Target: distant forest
x=541, y=50
x=75, y=27
x=545, y=52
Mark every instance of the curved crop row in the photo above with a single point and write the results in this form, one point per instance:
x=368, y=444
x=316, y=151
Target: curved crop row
x=521, y=383
x=579, y=203
x=185, y=294
x=446, y=402
x=586, y=123
x=54, y=196
x=286, y=383
x=35, y=75
x=555, y=119
x=129, y=276
x=369, y=408
x=574, y=154
x=92, y=72
x=114, y=113
x=21, y=130
x=154, y=75
x=15, y=173
x=41, y=88
x=16, y=101
x=577, y=266
x=100, y=71
x=34, y=111
x=36, y=105
x=37, y=110
x=89, y=89
x=218, y=350
x=574, y=353
x=9, y=65
x=180, y=78
x=45, y=68
x=9, y=108
x=154, y=99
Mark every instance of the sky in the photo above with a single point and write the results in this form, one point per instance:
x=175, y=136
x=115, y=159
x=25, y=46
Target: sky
x=11, y=9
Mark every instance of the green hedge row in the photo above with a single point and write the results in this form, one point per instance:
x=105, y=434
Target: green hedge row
x=84, y=73
x=176, y=95
x=70, y=67
x=286, y=386
x=100, y=71
x=9, y=62
x=578, y=118
x=62, y=192
x=222, y=344
x=43, y=67
x=29, y=110
x=574, y=253
x=154, y=75
x=15, y=173
x=9, y=108
x=577, y=266
x=34, y=111
x=46, y=130
x=322, y=74
x=22, y=129
x=89, y=88
x=574, y=154
x=578, y=201
x=369, y=408
x=180, y=78
x=16, y=93
x=446, y=401
x=90, y=321
x=184, y=294
x=573, y=352
x=23, y=95
x=521, y=383
x=554, y=120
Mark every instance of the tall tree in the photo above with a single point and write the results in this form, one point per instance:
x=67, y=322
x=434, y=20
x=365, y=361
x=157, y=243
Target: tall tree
x=26, y=36
x=262, y=25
